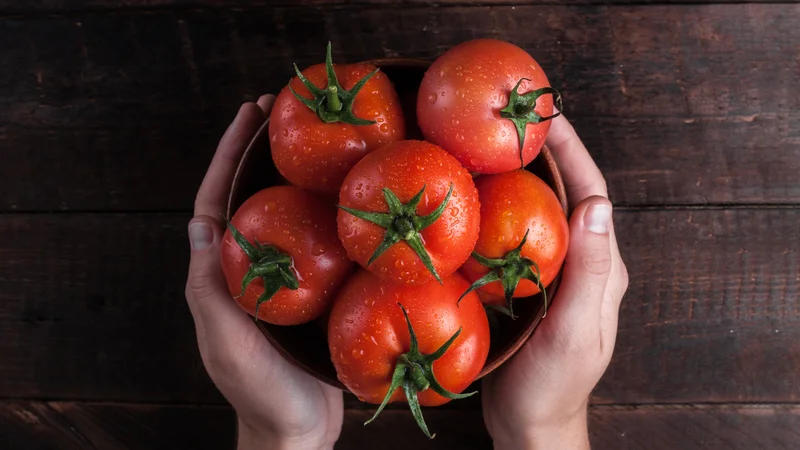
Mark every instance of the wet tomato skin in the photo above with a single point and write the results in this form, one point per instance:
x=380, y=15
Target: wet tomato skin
x=316, y=155
x=301, y=225
x=367, y=333
x=405, y=167
x=460, y=98
x=511, y=204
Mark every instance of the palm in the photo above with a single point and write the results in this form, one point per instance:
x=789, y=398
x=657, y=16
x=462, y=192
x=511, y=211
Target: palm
x=543, y=372
x=265, y=388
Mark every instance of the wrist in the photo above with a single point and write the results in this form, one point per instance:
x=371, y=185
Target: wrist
x=250, y=438
x=568, y=433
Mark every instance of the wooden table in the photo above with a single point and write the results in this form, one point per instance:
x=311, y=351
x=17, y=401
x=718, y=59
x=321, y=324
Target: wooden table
x=110, y=112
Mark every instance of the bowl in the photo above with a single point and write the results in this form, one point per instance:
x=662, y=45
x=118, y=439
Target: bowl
x=306, y=345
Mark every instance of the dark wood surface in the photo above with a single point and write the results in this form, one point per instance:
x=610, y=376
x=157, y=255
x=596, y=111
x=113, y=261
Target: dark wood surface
x=110, y=111
x=37, y=425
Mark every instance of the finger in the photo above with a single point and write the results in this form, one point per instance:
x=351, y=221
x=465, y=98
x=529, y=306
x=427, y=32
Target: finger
x=615, y=290
x=213, y=193
x=206, y=291
x=582, y=178
x=265, y=102
x=587, y=267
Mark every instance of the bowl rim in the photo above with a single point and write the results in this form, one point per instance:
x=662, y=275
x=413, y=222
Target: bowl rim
x=556, y=182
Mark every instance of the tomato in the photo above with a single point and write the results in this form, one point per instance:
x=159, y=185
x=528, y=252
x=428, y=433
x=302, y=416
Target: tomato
x=281, y=256
x=409, y=212
x=317, y=137
x=470, y=103
x=522, y=223
x=373, y=352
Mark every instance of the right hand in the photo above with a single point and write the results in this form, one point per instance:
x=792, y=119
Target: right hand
x=539, y=399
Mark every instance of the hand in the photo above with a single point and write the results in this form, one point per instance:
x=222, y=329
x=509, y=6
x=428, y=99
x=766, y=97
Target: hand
x=278, y=405
x=539, y=399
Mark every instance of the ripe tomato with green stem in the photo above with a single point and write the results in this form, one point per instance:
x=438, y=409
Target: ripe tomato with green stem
x=409, y=213
x=393, y=342
x=488, y=103
x=523, y=238
x=281, y=257
x=327, y=118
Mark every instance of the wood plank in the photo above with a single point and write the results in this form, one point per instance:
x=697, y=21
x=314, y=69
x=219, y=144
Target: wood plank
x=72, y=6
x=68, y=425
x=680, y=104
x=92, y=308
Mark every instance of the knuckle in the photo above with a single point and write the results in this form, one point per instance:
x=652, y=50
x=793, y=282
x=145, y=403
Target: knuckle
x=624, y=278
x=597, y=263
x=200, y=285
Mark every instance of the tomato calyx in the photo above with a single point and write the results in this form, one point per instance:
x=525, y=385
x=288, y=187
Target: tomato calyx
x=334, y=103
x=402, y=223
x=273, y=266
x=520, y=110
x=509, y=270
x=414, y=372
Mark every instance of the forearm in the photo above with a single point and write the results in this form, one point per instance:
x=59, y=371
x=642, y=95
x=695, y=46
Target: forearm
x=251, y=439
x=570, y=434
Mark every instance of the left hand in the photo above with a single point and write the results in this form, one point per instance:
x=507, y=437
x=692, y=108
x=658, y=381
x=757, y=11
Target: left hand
x=278, y=405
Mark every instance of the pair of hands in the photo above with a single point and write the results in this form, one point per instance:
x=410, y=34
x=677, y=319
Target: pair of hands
x=538, y=399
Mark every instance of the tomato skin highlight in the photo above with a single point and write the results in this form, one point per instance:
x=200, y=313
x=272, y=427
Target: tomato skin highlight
x=406, y=167
x=367, y=333
x=316, y=155
x=460, y=98
x=302, y=226
x=511, y=204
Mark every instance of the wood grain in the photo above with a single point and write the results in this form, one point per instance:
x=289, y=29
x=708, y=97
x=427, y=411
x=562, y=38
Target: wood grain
x=679, y=104
x=94, y=310
x=70, y=425
x=77, y=6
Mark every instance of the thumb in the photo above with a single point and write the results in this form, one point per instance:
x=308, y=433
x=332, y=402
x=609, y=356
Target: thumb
x=587, y=265
x=206, y=290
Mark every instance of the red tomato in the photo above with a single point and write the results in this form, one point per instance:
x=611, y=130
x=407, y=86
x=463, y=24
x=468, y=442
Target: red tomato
x=515, y=205
x=462, y=97
x=391, y=236
x=316, y=141
x=369, y=338
x=290, y=236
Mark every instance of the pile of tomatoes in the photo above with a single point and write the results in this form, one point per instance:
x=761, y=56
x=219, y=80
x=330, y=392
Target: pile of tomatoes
x=403, y=244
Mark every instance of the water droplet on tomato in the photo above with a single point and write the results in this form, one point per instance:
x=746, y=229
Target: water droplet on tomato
x=399, y=263
x=357, y=353
x=317, y=249
x=270, y=206
x=374, y=113
x=293, y=148
x=359, y=195
x=285, y=132
x=432, y=97
x=384, y=127
x=456, y=122
x=459, y=138
x=296, y=160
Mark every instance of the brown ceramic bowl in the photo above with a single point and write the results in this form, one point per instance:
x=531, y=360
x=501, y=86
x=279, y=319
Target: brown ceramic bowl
x=306, y=345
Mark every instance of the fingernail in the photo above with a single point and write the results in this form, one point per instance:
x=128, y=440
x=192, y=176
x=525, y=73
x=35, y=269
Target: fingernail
x=598, y=218
x=201, y=236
